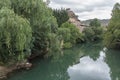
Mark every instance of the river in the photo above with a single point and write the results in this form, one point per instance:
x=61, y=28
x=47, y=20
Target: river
x=82, y=62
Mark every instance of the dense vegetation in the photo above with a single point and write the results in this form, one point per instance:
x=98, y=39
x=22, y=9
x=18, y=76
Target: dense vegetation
x=30, y=28
x=94, y=31
x=95, y=23
x=104, y=22
x=70, y=35
x=43, y=24
x=15, y=36
x=112, y=36
x=61, y=16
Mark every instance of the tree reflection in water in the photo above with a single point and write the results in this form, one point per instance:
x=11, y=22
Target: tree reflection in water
x=113, y=60
x=88, y=69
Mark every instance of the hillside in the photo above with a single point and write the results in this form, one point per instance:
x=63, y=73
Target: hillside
x=104, y=22
x=73, y=18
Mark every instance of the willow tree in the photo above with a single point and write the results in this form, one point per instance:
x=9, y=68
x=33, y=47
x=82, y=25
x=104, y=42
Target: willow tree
x=42, y=22
x=112, y=36
x=5, y=3
x=15, y=36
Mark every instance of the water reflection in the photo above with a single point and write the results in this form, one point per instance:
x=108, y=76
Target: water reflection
x=88, y=69
x=94, y=66
x=113, y=60
x=51, y=69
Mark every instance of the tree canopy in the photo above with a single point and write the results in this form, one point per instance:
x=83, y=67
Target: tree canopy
x=95, y=23
x=112, y=36
x=71, y=34
x=61, y=16
x=30, y=26
x=15, y=36
x=94, y=31
x=42, y=21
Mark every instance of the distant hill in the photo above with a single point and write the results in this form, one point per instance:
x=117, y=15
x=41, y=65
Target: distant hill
x=104, y=22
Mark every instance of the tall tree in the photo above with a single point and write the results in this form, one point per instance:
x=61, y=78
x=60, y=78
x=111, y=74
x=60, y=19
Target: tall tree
x=42, y=21
x=112, y=36
x=15, y=36
x=61, y=16
x=71, y=33
x=95, y=23
x=94, y=32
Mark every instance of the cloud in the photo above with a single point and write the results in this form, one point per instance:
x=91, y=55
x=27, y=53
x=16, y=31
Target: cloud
x=88, y=69
x=95, y=9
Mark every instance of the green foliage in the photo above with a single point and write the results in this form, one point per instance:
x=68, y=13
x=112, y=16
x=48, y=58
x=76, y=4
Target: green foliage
x=70, y=33
x=89, y=34
x=112, y=36
x=98, y=33
x=42, y=21
x=15, y=36
x=95, y=23
x=67, y=45
x=61, y=16
x=5, y=3
x=64, y=34
x=93, y=33
x=54, y=45
x=29, y=20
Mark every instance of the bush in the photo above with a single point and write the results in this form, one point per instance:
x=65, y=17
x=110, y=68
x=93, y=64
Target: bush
x=64, y=34
x=73, y=33
x=95, y=23
x=93, y=33
x=67, y=45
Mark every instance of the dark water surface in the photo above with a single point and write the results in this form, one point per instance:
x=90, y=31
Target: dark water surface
x=82, y=62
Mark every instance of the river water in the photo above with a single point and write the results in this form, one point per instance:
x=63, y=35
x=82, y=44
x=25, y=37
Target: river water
x=82, y=62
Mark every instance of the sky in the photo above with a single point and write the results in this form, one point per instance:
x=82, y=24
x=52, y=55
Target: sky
x=87, y=9
x=89, y=69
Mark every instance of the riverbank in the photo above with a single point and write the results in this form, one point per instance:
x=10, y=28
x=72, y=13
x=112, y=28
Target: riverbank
x=76, y=63
x=5, y=70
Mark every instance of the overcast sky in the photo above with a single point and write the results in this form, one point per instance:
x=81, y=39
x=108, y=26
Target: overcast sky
x=87, y=9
